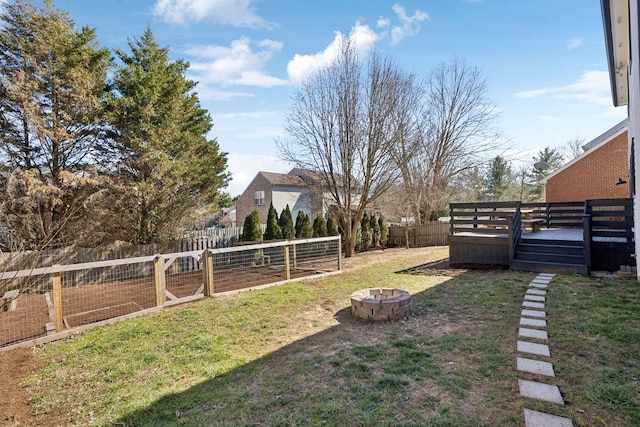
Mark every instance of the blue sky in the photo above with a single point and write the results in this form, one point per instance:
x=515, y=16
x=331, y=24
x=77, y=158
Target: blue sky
x=544, y=60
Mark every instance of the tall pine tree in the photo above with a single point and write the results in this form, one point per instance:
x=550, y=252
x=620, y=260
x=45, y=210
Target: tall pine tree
x=52, y=87
x=169, y=164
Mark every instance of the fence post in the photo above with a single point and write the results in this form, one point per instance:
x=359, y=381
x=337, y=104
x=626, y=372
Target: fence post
x=159, y=280
x=340, y=253
x=57, y=300
x=287, y=269
x=207, y=271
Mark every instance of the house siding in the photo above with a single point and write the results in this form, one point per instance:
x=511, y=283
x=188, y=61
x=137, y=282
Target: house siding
x=594, y=176
x=244, y=205
x=297, y=198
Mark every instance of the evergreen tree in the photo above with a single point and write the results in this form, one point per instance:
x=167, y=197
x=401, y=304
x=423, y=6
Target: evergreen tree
x=52, y=84
x=332, y=225
x=307, y=228
x=319, y=227
x=286, y=224
x=375, y=231
x=547, y=161
x=273, y=230
x=497, y=180
x=299, y=223
x=384, y=230
x=161, y=129
x=252, y=231
x=366, y=232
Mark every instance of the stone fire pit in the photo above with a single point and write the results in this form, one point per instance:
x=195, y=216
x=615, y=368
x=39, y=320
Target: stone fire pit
x=380, y=303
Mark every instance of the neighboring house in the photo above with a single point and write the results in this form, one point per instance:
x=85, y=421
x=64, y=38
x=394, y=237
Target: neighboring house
x=300, y=189
x=622, y=41
x=595, y=174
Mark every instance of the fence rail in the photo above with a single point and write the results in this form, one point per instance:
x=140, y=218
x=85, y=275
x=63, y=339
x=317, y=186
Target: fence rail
x=45, y=303
x=207, y=239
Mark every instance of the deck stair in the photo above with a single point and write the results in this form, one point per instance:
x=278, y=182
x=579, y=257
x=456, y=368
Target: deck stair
x=550, y=256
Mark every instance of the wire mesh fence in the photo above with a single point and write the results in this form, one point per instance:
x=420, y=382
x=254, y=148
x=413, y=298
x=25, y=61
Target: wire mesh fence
x=41, y=304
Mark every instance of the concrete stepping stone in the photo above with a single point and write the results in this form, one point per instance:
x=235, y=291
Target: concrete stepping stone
x=524, y=321
x=534, y=348
x=537, y=367
x=531, y=304
x=540, y=391
x=536, y=292
x=540, y=419
x=538, y=285
x=533, y=333
x=534, y=298
x=533, y=313
x=541, y=280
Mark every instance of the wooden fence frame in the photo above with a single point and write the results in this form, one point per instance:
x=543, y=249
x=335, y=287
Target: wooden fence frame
x=161, y=264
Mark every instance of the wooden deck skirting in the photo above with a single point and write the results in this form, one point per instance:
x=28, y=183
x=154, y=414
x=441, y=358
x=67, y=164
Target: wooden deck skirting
x=487, y=233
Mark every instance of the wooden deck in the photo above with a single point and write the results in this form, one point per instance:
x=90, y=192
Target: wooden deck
x=568, y=234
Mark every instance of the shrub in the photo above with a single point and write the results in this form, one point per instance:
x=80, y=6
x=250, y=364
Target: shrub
x=332, y=225
x=252, y=231
x=273, y=230
x=319, y=227
x=286, y=224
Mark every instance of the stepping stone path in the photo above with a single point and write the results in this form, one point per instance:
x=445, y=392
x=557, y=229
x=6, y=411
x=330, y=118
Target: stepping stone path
x=535, y=298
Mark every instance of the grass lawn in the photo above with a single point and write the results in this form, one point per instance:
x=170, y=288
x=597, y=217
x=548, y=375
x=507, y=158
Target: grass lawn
x=292, y=355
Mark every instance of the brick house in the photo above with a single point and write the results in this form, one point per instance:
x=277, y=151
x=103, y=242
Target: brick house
x=301, y=189
x=595, y=173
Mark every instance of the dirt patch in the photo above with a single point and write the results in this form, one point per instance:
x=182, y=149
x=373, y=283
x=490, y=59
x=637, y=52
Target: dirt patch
x=15, y=365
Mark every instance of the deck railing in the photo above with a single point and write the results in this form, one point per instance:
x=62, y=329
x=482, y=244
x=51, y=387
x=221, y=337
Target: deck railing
x=607, y=225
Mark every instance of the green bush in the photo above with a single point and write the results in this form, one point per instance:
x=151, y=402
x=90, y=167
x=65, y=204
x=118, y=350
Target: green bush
x=286, y=224
x=273, y=230
x=319, y=227
x=252, y=231
x=332, y=225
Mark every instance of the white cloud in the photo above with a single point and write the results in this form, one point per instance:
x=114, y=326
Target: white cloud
x=410, y=25
x=592, y=87
x=236, y=13
x=244, y=167
x=303, y=66
x=208, y=93
x=574, y=43
x=237, y=64
x=363, y=37
x=548, y=118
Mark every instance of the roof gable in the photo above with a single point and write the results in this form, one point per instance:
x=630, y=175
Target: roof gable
x=590, y=147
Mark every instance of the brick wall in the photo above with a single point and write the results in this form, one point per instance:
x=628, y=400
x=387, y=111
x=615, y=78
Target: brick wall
x=245, y=204
x=593, y=176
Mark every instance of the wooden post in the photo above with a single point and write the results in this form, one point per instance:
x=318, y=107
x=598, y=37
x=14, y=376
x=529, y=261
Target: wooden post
x=295, y=258
x=57, y=300
x=287, y=269
x=159, y=281
x=339, y=253
x=207, y=272
x=586, y=241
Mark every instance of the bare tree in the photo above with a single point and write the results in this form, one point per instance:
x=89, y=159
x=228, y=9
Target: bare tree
x=573, y=148
x=343, y=124
x=456, y=133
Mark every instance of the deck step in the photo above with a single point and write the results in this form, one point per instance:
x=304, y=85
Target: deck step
x=548, y=267
x=577, y=243
x=551, y=249
x=558, y=258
